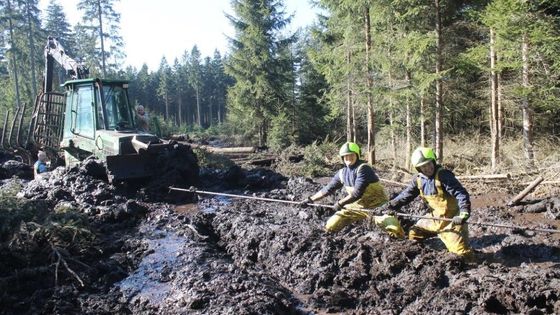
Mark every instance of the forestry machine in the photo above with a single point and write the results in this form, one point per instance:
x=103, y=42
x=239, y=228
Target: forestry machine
x=94, y=117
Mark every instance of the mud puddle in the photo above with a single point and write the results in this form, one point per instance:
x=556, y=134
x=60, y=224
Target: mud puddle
x=162, y=254
x=206, y=205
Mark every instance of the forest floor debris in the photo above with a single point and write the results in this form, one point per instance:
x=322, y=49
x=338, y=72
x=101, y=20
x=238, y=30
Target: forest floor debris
x=92, y=248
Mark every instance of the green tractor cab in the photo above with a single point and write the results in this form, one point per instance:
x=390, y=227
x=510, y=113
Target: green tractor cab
x=97, y=120
x=93, y=117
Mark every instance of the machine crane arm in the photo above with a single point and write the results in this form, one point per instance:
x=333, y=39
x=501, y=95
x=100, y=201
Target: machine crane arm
x=55, y=52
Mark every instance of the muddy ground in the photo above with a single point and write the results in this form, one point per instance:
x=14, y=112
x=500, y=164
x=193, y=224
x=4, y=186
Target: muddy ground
x=135, y=254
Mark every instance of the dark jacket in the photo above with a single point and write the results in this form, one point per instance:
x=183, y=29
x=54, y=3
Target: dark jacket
x=449, y=182
x=353, y=178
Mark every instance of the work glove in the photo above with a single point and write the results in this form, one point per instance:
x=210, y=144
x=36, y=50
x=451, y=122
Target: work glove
x=387, y=210
x=461, y=218
x=304, y=203
x=337, y=206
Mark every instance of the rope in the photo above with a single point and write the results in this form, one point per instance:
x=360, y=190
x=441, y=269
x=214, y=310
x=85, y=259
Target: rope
x=370, y=211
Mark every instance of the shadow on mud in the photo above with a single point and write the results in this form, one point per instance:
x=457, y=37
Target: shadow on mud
x=517, y=254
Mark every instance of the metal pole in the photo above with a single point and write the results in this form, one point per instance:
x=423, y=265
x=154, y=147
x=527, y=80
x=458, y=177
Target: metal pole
x=371, y=211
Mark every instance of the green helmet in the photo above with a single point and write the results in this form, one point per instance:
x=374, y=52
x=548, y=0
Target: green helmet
x=422, y=156
x=349, y=148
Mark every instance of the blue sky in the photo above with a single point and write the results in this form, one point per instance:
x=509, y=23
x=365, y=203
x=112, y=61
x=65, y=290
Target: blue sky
x=153, y=29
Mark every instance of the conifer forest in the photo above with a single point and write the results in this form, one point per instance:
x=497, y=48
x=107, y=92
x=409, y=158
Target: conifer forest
x=390, y=157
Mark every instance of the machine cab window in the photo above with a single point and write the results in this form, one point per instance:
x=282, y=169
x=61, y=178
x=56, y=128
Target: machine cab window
x=119, y=115
x=82, y=104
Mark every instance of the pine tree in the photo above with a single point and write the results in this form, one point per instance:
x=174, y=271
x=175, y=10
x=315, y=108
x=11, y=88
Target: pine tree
x=165, y=86
x=10, y=20
x=100, y=22
x=56, y=25
x=195, y=81
x=34, y=34
x=526, y=41
x=254, y=64
x=219, y=84
x=312, y=121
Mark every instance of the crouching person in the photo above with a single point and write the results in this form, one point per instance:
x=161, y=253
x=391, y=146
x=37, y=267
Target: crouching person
x=40, y=165
x=446, y=198
x=363, y=191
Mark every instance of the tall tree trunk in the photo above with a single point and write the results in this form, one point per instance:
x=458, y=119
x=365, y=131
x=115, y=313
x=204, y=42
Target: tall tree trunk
x=494, y=123
x=14, y=51
x=263, y=133
x=31, y=48
x=349, y=108
x=354, y=127
x=220, y=119
x=408, y=145
x=422, y=121
x=180, y=108
x=369, y=87
x=525, y=106
x=392, y=133
x=210, y=116
x=393, y=137
x=198, y=114
x=166, y=106
x=439, y=106
x=100, y=17
x=499, y=101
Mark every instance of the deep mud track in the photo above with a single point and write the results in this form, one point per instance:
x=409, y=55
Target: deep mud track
x=234, y=256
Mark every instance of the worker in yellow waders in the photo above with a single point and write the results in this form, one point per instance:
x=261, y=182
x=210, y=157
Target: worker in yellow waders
x=446, y=198
x=363, y=191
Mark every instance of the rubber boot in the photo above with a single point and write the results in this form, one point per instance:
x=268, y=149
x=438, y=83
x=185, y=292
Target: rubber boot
x=390, y=224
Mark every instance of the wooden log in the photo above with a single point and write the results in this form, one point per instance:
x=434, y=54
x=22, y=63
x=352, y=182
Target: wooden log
x=224, y=150
x=485, y=176
x=393, y=182
x=546, y=182
x=525, y=191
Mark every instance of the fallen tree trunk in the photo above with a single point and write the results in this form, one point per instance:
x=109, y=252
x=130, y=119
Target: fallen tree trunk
x=525, y=191
x=224, y=150
x=487, y=176
x=393, y=182
x=546, y=182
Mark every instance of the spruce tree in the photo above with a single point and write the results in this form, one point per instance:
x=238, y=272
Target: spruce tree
x=100, y=23
x=255, y=66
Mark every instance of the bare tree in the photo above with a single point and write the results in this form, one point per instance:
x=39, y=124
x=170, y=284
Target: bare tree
x=10, y=14
x=350, y=136
x=525, y=106
x=369, y=86
x=494, y=119
x=439, y=106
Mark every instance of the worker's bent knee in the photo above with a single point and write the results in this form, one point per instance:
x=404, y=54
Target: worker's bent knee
x=333, y=228
x=465, y=254
x=416, y=234
x=461, y=249
x=335, y=224
x=390, y=224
